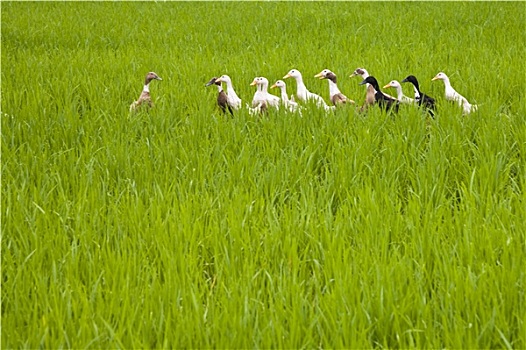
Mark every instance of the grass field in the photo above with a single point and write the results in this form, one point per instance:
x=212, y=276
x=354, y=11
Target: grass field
x=180, y=227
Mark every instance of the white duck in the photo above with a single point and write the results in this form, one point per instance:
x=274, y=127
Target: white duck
x=289, y=104
x=336, y=96
x=145, y=94
x=233, y=100
x=453, y=95
x=262, y=99
x=401, y=97
x=301, y=90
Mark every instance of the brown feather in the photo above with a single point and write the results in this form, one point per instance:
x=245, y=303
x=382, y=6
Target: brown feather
x=222, y=102
x=369, y=98
x=145, y=97
x=339, y=99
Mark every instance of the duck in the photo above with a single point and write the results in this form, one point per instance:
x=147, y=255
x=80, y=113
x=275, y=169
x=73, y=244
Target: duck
x=302, y=93
x=369, y=97
x=400, y=94
x=384, y=101
x=222, y=98
x=336, y=96
x=289, y=104
x=233, y=100
x=422, y=99
x=145, y=94
x=453, y=95
x=262, y=99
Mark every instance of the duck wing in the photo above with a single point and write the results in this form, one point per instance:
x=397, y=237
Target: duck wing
x=222, y=101
x=385, y=102
x=338, y=99
x=426, y=101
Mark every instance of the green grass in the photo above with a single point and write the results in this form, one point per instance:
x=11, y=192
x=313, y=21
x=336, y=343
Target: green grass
x=180, y=227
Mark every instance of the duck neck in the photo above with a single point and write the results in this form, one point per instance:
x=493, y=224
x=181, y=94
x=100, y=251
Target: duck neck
x=376, y=87
x=284, y=96
x=399, y=92
x=416, y=86
x=301, y=90
x=446, y=82
x=333, y=88
x=146, y=87
x=263, y=87
x=417, y=93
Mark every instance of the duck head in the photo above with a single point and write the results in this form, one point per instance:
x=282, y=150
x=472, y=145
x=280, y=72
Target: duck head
x=323, y=74
x=213, y=81
x=151, y=76
x=440, y=76
x=293, y=73
x=224, y=79
x=326, y=74
x=361, y=72
x=410, y=79
x=370, y=80
x=393, y=84
x=278, y=84
x=259, y=81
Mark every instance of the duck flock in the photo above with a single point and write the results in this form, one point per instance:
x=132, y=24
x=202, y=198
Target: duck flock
x=229, y=101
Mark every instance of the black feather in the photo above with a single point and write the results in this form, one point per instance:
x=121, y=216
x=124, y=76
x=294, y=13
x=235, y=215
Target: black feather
x=385, y=102
x=424, y=100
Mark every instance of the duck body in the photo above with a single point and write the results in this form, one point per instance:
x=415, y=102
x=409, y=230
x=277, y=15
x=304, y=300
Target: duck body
x=385, y=102
x=336, y=96
x=233, y=100
x=289, y=104
x=422, y=100
x=222, y=98
x=262, y=99
x=302, y=93
x=400, y=94
x=453, y=95
x=145, y=94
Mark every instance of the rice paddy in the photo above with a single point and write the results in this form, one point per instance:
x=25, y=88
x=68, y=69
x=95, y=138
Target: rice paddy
x=182, y=227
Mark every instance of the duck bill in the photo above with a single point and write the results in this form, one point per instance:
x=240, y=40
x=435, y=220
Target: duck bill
x=387, y=86
x=287, y=76
x=319, y=75
x=253, y=83
x=212, y=81
x=353, y=75
x=435, y=78
x=273, y=86
x=405, y=81
x=158, y=78
x=362, y=82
